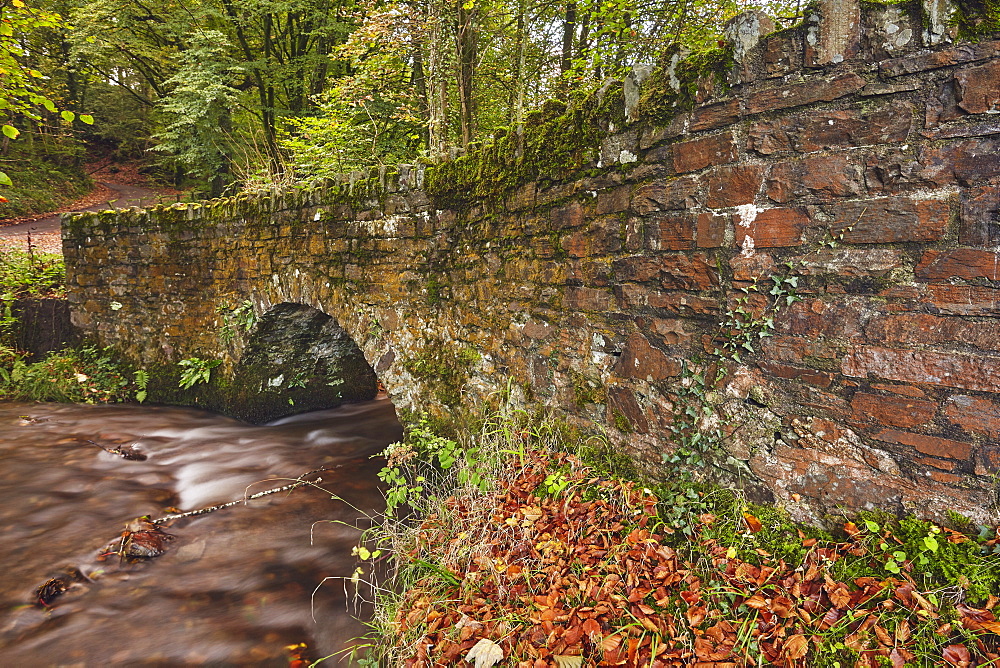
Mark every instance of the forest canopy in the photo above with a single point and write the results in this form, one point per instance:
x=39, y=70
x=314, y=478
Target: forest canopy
x=238, y=93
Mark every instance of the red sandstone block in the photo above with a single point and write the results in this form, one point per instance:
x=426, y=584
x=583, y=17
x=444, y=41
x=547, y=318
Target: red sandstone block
x=929, y=445
x=753, y=267
x=715, y=115
x=639, y=359
x=979, y=214
x=571, y=215
x=673, y=194
x=638, y=268
x=822, y=177
x=770, y=137
x=817, y=131
x=963, y=299
x=688, y=272
x=918, y=366
x=967, y=162
x=594, y=273
x=967, y=263
x=793, y=95
x=963, y=53
x=945, y=478
x=670, y=231
x=827, y=319
x=733, y=185
x=774, y=228
x=781, y=54
x=890, y=220
x=945, y=464
x=600, y=237
x=919, y=329
x=711, y=229
x=811, y=376
x=651, y=136
x=586, y=299
x=846, y=262
x=613, y=200
x=854, y=127
x=632, y=295
x=905, y=390
x=622, y=404
x=896, y=411
x=704, y=152
x=976, y=415
x=796, y=350
x=978, y=88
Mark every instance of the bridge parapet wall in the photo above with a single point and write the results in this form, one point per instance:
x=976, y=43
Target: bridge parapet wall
x=586, y=262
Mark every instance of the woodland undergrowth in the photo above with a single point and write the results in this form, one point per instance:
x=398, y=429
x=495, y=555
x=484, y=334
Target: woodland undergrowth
x=527, y=546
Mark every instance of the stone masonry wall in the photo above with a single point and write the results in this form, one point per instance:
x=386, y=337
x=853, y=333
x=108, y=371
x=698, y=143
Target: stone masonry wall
x=863, y=162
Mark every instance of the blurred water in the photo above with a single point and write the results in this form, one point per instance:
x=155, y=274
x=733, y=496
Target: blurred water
x=234, y=586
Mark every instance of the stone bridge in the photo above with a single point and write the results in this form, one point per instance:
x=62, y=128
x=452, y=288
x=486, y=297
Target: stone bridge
x=814, y=211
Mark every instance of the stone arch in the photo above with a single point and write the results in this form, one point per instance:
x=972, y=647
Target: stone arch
x=298, y=358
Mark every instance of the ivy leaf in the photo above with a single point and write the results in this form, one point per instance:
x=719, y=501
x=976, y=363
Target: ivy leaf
x=485, y=653
x=68, y=116
x=11, y=131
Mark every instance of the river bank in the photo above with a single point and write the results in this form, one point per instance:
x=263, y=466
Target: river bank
x=568, y=560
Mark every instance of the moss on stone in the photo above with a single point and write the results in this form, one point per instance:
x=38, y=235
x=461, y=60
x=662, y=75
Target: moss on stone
x=977, y=18
x=558, y=141
x=443, y=367
x=673, y=86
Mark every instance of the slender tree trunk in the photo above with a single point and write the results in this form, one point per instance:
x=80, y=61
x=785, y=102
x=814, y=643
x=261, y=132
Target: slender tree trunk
x=517, y=92
x=437, y=89
x=266, y=101
x=569, y=31
x=466, y=50
x=418, y=79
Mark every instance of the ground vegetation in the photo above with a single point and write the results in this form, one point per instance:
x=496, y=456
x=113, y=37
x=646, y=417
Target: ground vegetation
x=529, y=546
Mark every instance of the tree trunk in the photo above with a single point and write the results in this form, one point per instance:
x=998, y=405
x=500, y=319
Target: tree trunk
x=418, y=79
x=264, y=92
x=569, y=30
x=466, y=50
x=437, y=88
x=517, y=90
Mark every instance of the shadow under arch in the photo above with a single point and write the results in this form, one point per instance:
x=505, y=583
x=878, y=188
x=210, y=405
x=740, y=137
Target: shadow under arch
x=298, y=359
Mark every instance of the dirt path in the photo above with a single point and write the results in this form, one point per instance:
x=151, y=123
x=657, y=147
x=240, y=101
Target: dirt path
x=44, y=234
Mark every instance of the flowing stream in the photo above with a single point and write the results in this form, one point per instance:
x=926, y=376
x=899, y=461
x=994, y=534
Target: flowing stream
x=234, y=586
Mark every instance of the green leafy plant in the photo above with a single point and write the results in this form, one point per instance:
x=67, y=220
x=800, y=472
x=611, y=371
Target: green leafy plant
x=141, y=381
x=747, y=322
x=555, y=483
x=27, y=275
x=196, y=371
x=694, y=431
x=426, y=456
x=236, y=320
x=85, y=375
